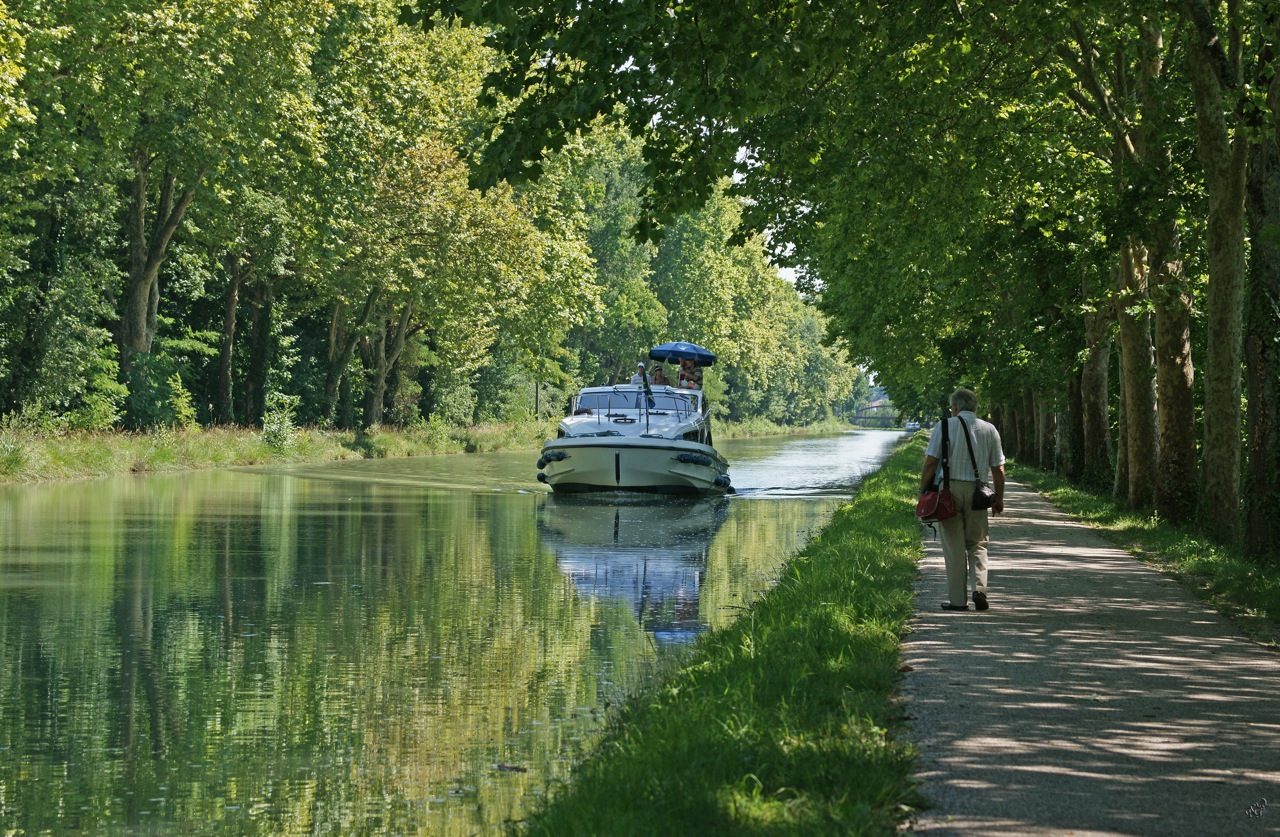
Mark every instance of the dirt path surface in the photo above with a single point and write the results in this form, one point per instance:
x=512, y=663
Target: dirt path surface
x=1096, y=696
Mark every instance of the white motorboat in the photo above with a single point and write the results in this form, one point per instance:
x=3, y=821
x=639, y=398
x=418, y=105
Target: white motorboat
x=637, y=437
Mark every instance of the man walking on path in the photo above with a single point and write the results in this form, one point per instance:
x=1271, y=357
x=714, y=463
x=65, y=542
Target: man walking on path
x=975, y=453
x=1103, y=699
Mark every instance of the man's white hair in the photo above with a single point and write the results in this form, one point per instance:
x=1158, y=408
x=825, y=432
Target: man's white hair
x=964, y=399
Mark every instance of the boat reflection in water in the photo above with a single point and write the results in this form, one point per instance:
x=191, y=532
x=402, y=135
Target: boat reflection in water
x=651, y=554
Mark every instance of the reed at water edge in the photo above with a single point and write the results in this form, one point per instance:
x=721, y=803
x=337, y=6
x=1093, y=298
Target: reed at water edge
x=787, y=721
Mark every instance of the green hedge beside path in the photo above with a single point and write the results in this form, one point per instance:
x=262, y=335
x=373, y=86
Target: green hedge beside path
x=788, y=721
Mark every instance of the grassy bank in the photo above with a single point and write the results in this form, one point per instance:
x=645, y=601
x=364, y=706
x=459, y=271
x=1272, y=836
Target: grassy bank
x=764, y=427
x=786, y=721
x=1246, y=592
x=30, y=457
x=33, y=457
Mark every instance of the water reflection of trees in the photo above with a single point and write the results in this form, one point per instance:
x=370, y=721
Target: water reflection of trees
x=273, y=656
x=264, y=655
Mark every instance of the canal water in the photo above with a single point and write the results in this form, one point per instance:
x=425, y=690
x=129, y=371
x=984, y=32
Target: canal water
x=418, y=646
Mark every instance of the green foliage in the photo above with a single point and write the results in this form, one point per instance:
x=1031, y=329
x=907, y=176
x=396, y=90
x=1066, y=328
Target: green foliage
x=184, y=412
x=278, y=430
x=312, y=230
x=451, y=400
x=148, y=395
x=433, y=432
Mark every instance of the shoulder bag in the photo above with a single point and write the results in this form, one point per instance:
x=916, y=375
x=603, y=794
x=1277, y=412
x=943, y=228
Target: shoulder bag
x=934, y=503
x=984, y=496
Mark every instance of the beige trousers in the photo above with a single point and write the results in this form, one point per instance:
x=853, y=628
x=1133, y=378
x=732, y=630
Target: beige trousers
x=964, y=544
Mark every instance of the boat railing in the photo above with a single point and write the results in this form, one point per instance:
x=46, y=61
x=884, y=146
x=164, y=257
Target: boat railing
x=629, y=402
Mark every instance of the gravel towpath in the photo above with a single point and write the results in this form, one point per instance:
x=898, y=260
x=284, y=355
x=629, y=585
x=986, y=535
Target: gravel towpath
x=1095, y=697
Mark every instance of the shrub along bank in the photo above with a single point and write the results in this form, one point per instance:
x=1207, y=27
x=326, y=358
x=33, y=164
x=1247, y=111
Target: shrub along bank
x=787, y=721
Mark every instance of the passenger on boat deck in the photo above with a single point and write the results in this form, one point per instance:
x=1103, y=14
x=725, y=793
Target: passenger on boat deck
x=690, y=375
x=658, y=378
x=638, y=378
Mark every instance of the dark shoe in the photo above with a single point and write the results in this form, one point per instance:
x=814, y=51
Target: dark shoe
x=950, y=606
x=980, y=600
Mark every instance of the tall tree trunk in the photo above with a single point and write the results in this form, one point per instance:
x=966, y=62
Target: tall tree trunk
x=141, y=297
x=255, y=384
x=1070, y=453
x=1214, y=72
x=1261, y=350
x=1015, y=428
x=1120, y=486
x=1045, y=432
x=1175, y=485
x=373, y=356
x=1009, y=429
x=380, y=355
x=1095, y=400
x=1176, y=482
x=342, y=346
x=226, y=400
x=1027, y=431
x=1136, y=376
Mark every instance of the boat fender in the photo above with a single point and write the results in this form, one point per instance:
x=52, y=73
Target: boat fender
x=722, y=481
x=550, y=456
x=693, y=459
x=542, y=477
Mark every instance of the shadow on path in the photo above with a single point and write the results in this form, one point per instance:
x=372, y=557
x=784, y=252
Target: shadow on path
x=1096, y=696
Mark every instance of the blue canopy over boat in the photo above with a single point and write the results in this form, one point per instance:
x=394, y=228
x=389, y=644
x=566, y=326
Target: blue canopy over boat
x=680, y=350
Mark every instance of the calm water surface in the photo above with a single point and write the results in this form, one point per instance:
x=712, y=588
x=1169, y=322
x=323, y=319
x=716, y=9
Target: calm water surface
x=408, y=646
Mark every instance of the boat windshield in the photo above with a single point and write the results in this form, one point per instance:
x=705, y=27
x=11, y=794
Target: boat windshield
x=616, y=401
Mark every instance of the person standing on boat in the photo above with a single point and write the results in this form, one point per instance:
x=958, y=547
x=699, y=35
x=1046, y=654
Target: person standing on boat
x=658, y=378
x=965, y=536
x=690, y=375
x=638, y=378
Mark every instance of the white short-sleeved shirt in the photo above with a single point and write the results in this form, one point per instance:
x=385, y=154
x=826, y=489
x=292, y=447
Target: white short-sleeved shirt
x=986, y=447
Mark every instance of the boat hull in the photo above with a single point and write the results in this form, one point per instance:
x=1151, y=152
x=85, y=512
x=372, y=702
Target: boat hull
x=652, y=466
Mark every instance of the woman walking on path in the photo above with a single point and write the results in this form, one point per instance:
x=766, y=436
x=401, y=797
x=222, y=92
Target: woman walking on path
x=965, y=536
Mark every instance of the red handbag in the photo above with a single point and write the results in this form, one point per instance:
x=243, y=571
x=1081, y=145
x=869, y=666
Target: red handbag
x=935, y=505
x=938, y=504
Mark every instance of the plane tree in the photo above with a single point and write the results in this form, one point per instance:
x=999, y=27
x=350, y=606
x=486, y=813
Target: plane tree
x=812, y=92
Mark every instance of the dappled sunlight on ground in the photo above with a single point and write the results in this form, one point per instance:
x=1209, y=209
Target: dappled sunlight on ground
x=1096, y=696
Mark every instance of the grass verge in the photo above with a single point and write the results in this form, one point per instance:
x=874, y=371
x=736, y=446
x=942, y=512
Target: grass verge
x=1246, y=592
x=785, y=722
